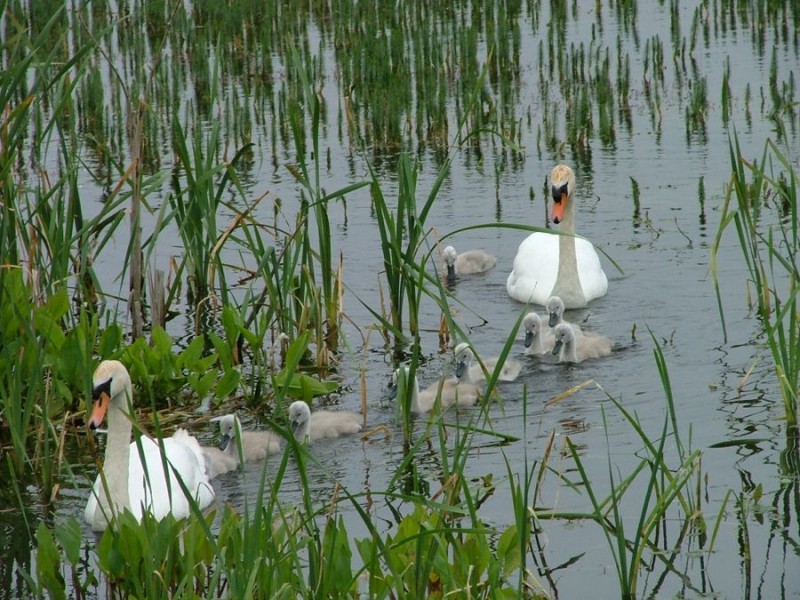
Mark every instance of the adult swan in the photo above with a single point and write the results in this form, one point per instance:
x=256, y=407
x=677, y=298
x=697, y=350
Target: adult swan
x=562, y=265
x=133, y=477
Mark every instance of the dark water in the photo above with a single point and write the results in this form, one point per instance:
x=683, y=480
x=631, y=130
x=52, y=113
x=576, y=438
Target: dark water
x=666, y=288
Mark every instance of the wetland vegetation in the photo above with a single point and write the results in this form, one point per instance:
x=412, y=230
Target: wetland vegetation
x=181, y=183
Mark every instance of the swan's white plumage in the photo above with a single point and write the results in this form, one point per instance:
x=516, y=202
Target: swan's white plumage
x=549, y=264
x=466, y=263
x=256, y=445
x=134, y=476
x=448, y=391
x=322, y=423
x=573, y=348
x=539, y=337
x=473, y=373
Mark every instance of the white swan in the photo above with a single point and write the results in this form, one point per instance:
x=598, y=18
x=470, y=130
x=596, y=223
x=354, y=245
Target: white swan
x=469, y=373
x=539, y=338
x=321, y=423
x=555, y=310
x=134, y=476
x=449, y=392
x=574, y=349
x=466, y=263
x=562, y=265
x=218, y=462
x=256, y=445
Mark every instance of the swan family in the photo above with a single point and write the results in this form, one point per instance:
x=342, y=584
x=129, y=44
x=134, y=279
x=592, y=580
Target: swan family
x=172, y=475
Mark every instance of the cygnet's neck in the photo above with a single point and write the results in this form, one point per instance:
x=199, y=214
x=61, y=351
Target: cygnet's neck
x=536, y=343
x=568, y=351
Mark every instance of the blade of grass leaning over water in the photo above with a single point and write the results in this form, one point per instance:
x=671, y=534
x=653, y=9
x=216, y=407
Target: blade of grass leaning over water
x=770, y=253
x=665, y=488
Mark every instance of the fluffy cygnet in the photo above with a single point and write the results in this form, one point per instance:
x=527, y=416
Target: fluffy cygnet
x=473, y=373
x=466, y=263
x=448, y=391
x=572, y=348
x=539, y=338
x=321, y=423
x=256, y=445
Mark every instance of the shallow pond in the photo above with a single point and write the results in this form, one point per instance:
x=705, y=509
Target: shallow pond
x=662, y=246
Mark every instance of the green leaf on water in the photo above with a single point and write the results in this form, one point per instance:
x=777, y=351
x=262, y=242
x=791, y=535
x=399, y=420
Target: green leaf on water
x=70, y=536
x=48, y=563
x=304, y=386
x=227, y=383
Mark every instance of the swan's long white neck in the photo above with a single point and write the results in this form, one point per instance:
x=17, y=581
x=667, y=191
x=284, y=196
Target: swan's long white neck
x=568, y=284
x=115, y=497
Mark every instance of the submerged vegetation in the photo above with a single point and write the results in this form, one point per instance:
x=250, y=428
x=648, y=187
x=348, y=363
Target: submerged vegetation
x=131, y=131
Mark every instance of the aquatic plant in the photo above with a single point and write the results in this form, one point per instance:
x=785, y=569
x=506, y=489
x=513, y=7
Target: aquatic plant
x=668, y=499
x=770, y=254
x=199, y=183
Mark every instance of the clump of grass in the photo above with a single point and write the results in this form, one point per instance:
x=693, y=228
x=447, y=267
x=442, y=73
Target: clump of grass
x=199, y=184
x=696, y=108
x=726, y=91
x=667, y=493
x=771, y=256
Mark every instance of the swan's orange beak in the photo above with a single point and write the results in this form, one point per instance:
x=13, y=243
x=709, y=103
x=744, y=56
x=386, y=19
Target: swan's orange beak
x=559, y=206
x=101, y=398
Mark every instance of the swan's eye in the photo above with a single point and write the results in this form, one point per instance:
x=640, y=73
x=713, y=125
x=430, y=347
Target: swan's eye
x=559, y=192
x=100, y=390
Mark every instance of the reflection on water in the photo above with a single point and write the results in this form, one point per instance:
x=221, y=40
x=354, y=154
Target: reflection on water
x=652, y=165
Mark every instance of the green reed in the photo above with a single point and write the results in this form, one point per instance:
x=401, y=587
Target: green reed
x=770, y=253
x=402, y=233
x=38, y=378
x=697, y=108
x=726, y=91
x=316, y=202
x=272, y=549
x=667, y=484
x=198, y=188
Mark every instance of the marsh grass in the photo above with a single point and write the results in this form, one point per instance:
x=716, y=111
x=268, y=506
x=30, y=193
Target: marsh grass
x=439, y=542
x=770, y=254
x=271, y=549
x=196, y=205
x=668, y=499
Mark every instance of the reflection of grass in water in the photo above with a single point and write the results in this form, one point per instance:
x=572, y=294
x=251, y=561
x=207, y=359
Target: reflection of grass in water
x=668, y=503
x=770, y=256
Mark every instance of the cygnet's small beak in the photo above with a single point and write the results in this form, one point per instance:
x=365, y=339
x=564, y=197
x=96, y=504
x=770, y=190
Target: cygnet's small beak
x=460, y=368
